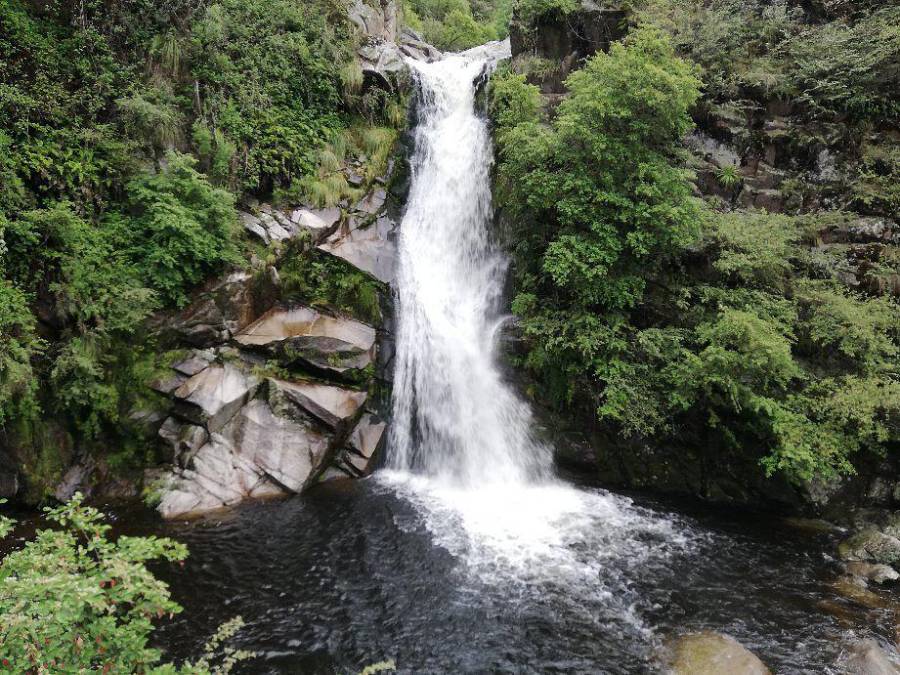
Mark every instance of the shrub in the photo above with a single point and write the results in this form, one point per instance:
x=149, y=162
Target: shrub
x=73, y=600
x=181, y=229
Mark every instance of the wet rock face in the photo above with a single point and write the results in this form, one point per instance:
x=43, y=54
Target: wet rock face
x=714, y=654
x=369, y=246
x=384, y=47
x=230, y=433
x=232, y=437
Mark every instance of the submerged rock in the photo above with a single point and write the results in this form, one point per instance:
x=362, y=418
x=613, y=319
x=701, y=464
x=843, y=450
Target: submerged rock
x=877, y=573
x=869, y=658
x=870, y=545
x=714, y=654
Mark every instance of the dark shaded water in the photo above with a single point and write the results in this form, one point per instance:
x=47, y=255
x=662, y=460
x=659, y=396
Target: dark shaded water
x=349, y=574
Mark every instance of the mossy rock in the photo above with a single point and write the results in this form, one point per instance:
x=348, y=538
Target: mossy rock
x=714, y=654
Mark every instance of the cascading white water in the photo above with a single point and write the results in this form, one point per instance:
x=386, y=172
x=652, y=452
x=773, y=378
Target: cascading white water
x=454, y=417
x=462, y=449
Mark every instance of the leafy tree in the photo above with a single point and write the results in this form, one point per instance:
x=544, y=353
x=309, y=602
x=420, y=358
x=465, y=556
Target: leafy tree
x=73, y=600
x=18, y=346
x=181, y=230
x=604, y=190
x=667, y=321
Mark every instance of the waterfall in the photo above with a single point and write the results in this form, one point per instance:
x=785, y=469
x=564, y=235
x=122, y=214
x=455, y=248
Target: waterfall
x=455, y=418
x=461, y=448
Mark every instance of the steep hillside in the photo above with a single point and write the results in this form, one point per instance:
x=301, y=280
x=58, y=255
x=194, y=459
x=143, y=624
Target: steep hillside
x=739, y=343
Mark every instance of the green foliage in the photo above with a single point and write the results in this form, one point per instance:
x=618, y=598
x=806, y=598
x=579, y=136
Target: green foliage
x=602, y=191
x=850, y=67
x=18, y=345
x=530, y=10
x=321, y=280
x=182, y=228
x=761, y=50
x=738, y=338
x=456, y=25
x=74, y=600
x=270, y=80
x=728, y=176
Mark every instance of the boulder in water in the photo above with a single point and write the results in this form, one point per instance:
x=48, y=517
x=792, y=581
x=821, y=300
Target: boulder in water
x=710, y=653
x=870, y=545
x=870, y=658
x=874, y=572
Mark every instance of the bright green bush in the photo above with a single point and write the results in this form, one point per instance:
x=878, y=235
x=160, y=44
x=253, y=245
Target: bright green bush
x=673, y=324
x=602, y=191
x=18, y=345
x=73, y=600
x=180, y=229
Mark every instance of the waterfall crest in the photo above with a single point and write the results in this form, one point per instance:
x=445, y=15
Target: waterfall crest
x=454, y=417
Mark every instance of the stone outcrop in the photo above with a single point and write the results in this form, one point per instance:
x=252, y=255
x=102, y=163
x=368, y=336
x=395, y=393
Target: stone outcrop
x=230, y=431
x=362, y=447
x=272, y=394
x=271, y=225
x=714, y=654
x=212, y=396
x=384, y=46
x=369, y=246
x=219, y=310
x=232, y=437
x=302, y=335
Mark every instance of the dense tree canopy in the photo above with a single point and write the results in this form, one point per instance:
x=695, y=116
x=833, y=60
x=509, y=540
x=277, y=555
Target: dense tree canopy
x=670, y=320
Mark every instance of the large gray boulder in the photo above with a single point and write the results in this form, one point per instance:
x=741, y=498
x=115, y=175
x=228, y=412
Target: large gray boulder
x=271, y=446
x=319, y=223
x=376, y=20
x=211, y=397
x=287, y=451
x=182, y=440
x=363, y=445
x=334, y=407
x=871, y=545
x=383, y=65
x=371, y=248
x=302, y=334
x=710, y=653
x=218, y=477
